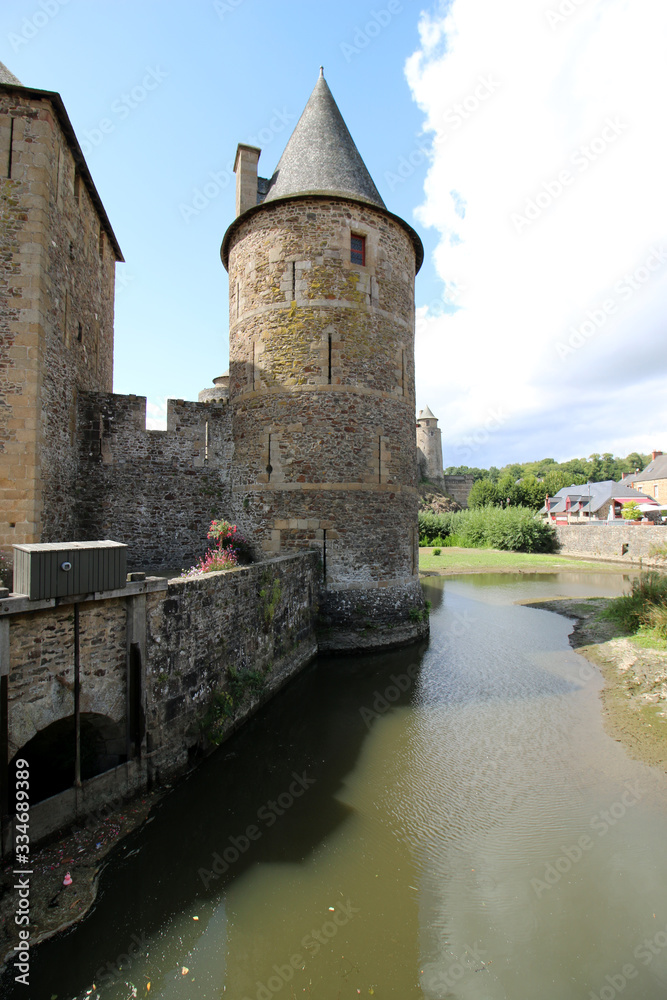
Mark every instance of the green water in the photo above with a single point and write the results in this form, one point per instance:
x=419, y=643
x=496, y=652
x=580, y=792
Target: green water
x=448, y=820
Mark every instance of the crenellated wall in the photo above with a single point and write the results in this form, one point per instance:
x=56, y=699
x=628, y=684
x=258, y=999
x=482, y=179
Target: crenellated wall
x=157, y=491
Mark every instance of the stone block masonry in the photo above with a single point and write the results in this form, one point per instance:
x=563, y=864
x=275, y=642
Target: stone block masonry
x=198, y=656
x=57, y=260
x=321, y=393
x=157, y=491
x=259, y=618
x=619, y=541
x=458, y=487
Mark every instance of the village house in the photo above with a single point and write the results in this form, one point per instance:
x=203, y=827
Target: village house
x=653, y=480
x=595, y=502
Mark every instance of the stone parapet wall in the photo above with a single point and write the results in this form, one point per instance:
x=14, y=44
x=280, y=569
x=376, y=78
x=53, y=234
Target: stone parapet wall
x=156, y=491
x=620, y=541
x=257, y=618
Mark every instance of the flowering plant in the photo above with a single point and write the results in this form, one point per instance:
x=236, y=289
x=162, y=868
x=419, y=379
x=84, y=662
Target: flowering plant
x=230, y=549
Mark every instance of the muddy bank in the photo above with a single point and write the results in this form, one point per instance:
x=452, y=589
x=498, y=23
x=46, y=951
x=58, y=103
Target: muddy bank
x=82, y=853
x=634, y=697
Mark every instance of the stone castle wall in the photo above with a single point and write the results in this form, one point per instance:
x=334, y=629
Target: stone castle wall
x=620, y=541
x=458, y=487
x=56, y=317
x=322, y=390
x=156, y=491
x=192, y=637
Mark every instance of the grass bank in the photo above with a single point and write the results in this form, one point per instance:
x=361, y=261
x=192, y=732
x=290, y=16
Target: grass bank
x=458, y=560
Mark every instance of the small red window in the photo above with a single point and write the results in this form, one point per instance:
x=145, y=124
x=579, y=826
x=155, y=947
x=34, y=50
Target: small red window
x=358, y=250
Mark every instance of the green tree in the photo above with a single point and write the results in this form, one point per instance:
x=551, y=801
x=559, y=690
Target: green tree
x=595, y=467
x=483, y=493
x=631, y=512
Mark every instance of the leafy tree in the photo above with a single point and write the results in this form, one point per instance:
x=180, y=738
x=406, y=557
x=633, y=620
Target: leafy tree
x=631, y=512
x=483, y=493
x=595, y=467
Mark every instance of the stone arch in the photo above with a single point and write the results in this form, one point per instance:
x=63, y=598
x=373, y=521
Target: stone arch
x=50, y=753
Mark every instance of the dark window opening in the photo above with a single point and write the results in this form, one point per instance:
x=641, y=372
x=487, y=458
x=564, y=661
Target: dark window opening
x=11, y=147
x=358, y=250
x=269, y=467
x=293, y=281
x=324, y=556
x=79, y=335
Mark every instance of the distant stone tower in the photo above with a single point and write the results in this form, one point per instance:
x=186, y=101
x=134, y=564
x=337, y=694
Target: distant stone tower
x=321, y=280
x=429, y=445
x=57, y=262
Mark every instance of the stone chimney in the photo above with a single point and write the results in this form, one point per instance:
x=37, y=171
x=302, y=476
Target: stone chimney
x=245, y=168
x=654, y=455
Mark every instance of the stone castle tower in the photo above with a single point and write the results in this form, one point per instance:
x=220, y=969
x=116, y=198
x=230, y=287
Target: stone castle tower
x=429, y=445
x=321, y=388
x=57, y=263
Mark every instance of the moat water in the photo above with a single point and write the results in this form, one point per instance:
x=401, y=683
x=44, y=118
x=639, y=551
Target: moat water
x=446, y=821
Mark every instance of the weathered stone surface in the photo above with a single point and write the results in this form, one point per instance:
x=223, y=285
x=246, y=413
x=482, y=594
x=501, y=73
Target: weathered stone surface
x=56, y=317
x=157, y=491
x=620, y=541
x=322, y=395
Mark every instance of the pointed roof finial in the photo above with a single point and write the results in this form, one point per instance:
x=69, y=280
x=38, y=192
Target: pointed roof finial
x=321, y=70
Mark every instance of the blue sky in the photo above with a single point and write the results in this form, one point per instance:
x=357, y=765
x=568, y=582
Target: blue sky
x=466, y=113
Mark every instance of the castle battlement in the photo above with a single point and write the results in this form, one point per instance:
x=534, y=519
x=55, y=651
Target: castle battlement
x=111, y=429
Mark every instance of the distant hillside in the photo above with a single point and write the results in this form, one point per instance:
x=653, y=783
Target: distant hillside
x=595, y=468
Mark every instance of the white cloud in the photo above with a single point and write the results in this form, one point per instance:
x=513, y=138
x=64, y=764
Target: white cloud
x=547, y=188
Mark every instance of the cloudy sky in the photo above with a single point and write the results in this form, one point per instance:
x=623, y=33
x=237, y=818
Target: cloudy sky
x=524, y=140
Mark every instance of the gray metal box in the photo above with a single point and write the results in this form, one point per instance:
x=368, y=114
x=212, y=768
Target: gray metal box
x=65, y=570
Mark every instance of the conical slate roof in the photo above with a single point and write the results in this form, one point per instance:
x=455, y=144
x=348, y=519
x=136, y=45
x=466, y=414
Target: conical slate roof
x=321, y=157
x=426, y=414
x=7, y=77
